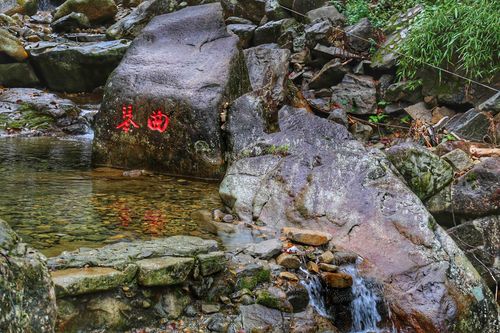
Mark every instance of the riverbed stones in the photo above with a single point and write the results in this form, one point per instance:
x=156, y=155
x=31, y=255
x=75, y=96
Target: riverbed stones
x=331, y=183
x=76, y=67
x=27, y=299
x=97, y=11
x=78, y=281
x=306, y=236
x=337, y=280
x=211, y=263
x=266, y=250
x=424, y=172
x=164, y=271
x=288, y=261
x=189, y=77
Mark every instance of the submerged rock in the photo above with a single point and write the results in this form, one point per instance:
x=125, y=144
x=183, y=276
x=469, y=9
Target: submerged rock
x=188, y=75
x=331, y=183
x=76, y=67
x=27, y=302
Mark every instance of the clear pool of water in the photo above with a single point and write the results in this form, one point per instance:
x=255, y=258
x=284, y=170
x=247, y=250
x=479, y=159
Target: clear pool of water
x=56, y=201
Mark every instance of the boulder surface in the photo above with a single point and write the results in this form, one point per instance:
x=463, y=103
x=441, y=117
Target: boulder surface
x=174, y=81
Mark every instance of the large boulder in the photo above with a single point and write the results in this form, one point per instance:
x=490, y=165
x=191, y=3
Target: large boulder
x=131, y=25
x=310, y=174
x=76, y=67
x=27, y=301
x=17, y=75
x=183, y=68
x=356, y=94
x=95, y=10
x=11, y=46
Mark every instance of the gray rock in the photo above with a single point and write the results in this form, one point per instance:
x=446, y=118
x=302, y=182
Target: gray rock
x=119, y=255
x=458, y=159
x=85, y=37
x=330, y=75
x=253, y=10
x=302, y=6
x=362, y=132
x=272, y=31
x=78, y=281
x=329, y=13
x=407, y=91
x=266, y=250
x=275, y=12
x=74, y=67
x=471, y=125
x=268, y=70
x=18, y=75
x=329, y=182
x=424, y=172
x=23, y=7
x=191, y=75
x=164, y=271
x=106, y=9
x=71, y=22
x=356, y=94
x=114, y=314
x=479, y=240
x=258, y=317
x=359, y=35
x=477, y=192
x=28, y=302
x=245, y=33
x=172, y=304
x=218, y=323
x=339, y=116
x=211, y=263
x=318, y=32
x=11, y=46
x=420, y=112
x=131, y=25
x=491, y=105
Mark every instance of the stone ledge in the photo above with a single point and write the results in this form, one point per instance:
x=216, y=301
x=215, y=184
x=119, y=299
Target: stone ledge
x=164, y=271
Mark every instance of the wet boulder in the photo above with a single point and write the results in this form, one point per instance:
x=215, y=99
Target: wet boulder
x=313, y=175
x=76, y=67
x=28, y=302
x=96, y=10
x=182, y=69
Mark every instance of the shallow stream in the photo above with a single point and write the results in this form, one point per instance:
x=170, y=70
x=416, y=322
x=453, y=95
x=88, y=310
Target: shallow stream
x=56, y=201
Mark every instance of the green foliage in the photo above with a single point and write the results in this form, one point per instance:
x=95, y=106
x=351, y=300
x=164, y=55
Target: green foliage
x=461, y=36
x=277, y=150
x=448, y=137
x=377, y=118
x=406, y=119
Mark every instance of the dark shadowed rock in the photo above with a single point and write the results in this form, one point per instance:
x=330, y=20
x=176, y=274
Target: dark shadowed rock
x=253, y=10
x=272, y=31
x=302, y=6
x=27, y=302
x=358, y=35
x=471, y=125
x=329, y=13
x=356, y=94
x=244, y=32
x=268, y=70
x=331, y=183
x=330, y=75
x=71, y=22
x=18, y=75
x=187, y=66
x=478, y=191
x=492, y=104
x=258, y=318
x=96, y=10
x=76, y=67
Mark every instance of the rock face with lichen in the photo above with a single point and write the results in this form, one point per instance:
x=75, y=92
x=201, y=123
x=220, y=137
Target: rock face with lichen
x=186, y=66
x=312, y=174
x=27, y=298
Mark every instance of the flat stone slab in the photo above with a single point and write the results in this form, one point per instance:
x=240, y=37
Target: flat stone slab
x=164, y=271
x=78, y=281
x=212, y=263
x=121, y=254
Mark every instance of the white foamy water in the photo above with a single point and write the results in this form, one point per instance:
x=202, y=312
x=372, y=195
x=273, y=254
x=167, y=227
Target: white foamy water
x=316, y=293
x=365, y=316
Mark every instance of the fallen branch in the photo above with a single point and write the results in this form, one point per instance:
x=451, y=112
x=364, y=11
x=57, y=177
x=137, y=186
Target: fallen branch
x=484, y=152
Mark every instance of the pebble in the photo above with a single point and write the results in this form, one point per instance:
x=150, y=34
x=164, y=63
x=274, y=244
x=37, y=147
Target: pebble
x=210, y=308
x=228, y=218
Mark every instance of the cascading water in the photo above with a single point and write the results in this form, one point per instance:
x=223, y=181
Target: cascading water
x=365, y=316
x=315, y=290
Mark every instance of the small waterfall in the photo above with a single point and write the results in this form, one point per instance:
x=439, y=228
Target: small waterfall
x=316, y=293
x=365, y=316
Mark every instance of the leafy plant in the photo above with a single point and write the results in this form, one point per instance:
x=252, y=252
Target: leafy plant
x=377, y=118
x=448, y=137
x=406, y=119
x=461, y=36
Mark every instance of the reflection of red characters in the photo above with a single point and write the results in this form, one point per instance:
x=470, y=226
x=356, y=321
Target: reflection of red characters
x=127, y=119
x=153, y=221
x=158, y=121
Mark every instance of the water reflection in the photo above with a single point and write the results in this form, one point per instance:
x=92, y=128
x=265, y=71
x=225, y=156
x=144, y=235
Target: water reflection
x=53, y=198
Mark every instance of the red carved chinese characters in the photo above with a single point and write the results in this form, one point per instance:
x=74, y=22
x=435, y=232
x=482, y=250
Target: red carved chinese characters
x=158, y=121
x=127, y=119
